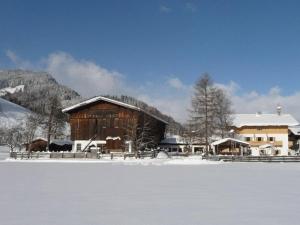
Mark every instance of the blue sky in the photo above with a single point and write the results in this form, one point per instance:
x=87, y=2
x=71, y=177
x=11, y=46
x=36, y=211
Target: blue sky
x=254, y=44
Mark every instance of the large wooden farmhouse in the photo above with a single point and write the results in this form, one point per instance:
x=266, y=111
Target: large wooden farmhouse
x=107, y=125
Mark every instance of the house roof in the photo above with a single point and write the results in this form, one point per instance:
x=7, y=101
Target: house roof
x=229, y=139
x=240, y=120
x=61, y=142
x=101, y=98
x=295, y=130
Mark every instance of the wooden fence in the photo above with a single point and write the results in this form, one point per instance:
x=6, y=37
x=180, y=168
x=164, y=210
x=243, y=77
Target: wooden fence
x=254, y=158
x=77, y=155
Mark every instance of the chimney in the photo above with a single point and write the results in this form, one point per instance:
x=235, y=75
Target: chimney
x=279, y=109
x=259, y=113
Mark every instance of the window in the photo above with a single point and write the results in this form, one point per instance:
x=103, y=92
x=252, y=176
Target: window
x=271, y=138
x=121, y=123
x=259, y=139
x=116, y=122
x=104, y=123
x=108, y=122
x=78, y=147
x=247, y=138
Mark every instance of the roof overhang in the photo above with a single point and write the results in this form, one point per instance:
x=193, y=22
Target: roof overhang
x=101, y=98
x=229, y=139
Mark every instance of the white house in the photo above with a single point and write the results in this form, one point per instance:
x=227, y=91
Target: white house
x=267, y=134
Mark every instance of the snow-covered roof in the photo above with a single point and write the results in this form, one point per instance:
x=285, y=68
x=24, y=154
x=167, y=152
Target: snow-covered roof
x=173, y=140
x=295, y=130
x=39, y=139
x=101, y=98
x=61, y=142
x=240, y=120
x=229, y=139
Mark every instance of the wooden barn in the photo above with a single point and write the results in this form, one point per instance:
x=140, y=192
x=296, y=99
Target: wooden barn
x=37, y=145
x=106, y=125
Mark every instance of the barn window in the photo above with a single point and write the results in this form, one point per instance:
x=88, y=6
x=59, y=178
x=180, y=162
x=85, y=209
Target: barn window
x=116, y=122
x=78, y=147
x=104, y=123
x=108, y=122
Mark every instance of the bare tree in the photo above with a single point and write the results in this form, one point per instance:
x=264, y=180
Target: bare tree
x=203, y=108
x=189, y=136
x=55, y=121
x=145, y=138
x=32, y=122
x=13, y=138
x=210, y=111
x=223, y=114
x=140, y=134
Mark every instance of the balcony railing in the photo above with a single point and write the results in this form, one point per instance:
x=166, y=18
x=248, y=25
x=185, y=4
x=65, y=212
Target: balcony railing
x=259, y=143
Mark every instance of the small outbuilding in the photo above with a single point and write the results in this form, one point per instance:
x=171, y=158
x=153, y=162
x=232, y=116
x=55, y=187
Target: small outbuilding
x=37, y=145
x=230, y=146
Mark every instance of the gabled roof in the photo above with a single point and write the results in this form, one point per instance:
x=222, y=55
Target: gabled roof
x=240, y=120
x=229, y=139
x=101, y=98
x=295, y=130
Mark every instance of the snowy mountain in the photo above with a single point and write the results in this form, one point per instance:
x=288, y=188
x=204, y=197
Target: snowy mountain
x=31, y=89
x=11, y=90
x=11, y=114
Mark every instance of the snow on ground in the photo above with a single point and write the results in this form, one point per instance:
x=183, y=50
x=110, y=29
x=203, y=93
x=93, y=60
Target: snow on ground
x=114, y=193
x=11, y=114
x=120, y=160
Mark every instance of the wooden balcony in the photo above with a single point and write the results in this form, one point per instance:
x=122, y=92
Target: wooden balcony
x=259, y=143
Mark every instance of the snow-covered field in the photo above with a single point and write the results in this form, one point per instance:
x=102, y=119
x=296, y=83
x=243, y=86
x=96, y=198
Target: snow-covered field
x=36, y=193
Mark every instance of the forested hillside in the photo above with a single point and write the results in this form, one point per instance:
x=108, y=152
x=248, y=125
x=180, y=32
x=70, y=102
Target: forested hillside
x=32, y=90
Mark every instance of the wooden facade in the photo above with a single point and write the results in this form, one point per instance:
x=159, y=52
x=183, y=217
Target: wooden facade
x=113, y=123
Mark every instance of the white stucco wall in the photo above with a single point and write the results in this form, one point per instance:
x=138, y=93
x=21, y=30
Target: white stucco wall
x=278, y=137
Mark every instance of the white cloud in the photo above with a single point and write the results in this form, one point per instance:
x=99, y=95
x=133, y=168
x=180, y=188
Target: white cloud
x=230, y=88
x=21, y=63
x=86, y=77
x=176, y=83
x=171, y=95
x=12, y=56
x=191, y=7
x=165, y=9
